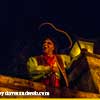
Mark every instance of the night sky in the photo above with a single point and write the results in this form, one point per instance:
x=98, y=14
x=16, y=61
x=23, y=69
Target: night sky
x=19, y=21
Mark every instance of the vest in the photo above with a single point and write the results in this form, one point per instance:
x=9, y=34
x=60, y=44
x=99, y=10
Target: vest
x=60, y=65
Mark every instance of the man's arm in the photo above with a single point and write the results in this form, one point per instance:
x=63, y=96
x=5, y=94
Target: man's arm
x=36, y=71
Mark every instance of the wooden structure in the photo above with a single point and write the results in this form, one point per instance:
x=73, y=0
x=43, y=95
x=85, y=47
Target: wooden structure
x=85, y=73
x=84, y=77
x=13, y=84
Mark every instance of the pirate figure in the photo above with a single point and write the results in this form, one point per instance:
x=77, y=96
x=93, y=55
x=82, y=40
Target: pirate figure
x=50, y=67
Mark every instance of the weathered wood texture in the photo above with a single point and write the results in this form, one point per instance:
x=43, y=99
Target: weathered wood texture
x=85, y=73
x=20, y=84
x=85, y=78
x=94, y=65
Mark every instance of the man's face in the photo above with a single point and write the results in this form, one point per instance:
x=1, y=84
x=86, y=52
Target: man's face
x=48, y=46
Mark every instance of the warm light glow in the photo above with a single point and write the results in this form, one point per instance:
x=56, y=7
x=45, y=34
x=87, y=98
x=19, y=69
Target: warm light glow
x=75, y=51
x=87, y=45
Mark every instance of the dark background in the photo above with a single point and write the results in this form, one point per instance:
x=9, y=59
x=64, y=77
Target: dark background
x=19, y=20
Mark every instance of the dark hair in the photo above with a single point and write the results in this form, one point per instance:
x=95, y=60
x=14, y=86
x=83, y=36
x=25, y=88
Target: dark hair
x=49, y=37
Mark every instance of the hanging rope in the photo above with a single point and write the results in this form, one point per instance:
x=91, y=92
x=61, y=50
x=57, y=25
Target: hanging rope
x=58, y=30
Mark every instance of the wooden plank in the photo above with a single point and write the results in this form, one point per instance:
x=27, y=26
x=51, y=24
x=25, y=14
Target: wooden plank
x=94, y=65
x=20, y=84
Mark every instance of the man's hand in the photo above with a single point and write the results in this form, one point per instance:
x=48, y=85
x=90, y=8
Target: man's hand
x=55, y=69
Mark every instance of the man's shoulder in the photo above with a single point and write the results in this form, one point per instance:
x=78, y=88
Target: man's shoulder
x=64, y=57
x=37, y=58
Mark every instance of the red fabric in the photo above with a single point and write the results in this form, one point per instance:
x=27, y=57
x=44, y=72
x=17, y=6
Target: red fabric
x=50, y=60
x=53, y=80
x=57, y=83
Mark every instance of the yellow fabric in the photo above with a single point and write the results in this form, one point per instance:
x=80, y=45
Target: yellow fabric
x=66, y=60
x=37, y=71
